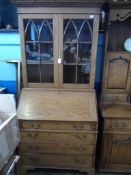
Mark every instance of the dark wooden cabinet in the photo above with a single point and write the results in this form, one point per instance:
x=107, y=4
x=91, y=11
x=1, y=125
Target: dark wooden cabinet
x=115, y=104
x=116, y=141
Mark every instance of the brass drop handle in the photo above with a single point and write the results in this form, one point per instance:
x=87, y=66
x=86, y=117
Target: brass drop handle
x=81, y=137
x=81, y=148
x=34, y=147
x=80, y=161
x=34, y=159
x=33, y=135
x=79, y=126
x=35, y=126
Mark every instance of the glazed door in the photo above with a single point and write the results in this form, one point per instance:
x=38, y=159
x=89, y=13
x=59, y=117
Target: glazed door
x=77, y=50
x=59, y=50
x=40, y=50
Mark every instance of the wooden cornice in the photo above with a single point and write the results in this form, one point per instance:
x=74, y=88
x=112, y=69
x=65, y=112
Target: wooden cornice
x=39, y=3
x=69, y=3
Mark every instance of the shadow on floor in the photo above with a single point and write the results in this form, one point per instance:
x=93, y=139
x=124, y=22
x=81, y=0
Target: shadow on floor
x=54, y=172
x=64, y=172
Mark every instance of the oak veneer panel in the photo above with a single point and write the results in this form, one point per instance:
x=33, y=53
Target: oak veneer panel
x=57, y=105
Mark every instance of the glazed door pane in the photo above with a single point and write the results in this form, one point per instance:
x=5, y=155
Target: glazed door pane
x=77, y=47
x=39, y=50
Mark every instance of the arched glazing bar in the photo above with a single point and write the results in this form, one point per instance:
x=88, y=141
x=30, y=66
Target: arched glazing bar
x=31, y=32
x=87, y=34
x=70, y=22
x=46, y=30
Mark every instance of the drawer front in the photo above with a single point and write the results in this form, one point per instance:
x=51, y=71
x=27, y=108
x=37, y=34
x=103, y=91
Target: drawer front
x=117, y=125
x=54, y=160
x=56, y=148
x=40, y=125
x=58, y=137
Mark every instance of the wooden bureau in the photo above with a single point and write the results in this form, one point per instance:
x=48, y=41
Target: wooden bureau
x=58, y=129
x=57, y=111
x=116, y=142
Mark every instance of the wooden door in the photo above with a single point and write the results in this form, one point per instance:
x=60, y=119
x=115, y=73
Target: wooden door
x=78, y=35
x=118, y=70
x=116, y=152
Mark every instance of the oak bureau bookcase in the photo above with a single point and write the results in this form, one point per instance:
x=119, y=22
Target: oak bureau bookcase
x=57, y=109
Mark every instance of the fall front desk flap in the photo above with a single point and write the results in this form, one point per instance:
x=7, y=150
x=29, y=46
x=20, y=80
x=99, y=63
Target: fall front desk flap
x=57, y=105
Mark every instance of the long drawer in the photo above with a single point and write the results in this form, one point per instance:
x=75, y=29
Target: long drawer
x=57, y=160
x=58, y=137
x=121, y=125
x=59, y=148
x=52, y=125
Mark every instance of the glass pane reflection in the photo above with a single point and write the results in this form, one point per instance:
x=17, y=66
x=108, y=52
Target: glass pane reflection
x=46, y=52
x=83, y=74
x=38, y=29
x=78, y=30
x=46, y=33
x=84, y=53
x=33, y=73
x=69, y=74
x=70, y=53
x=31, y=33
x=32, y=52
x=70, y=31
x=47, y=73
x=85, y=34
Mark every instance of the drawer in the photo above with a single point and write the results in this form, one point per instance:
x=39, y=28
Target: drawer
x=48, y=125
x=117, y=125
x=56, y=160
x=28, y=147
x=58, y=137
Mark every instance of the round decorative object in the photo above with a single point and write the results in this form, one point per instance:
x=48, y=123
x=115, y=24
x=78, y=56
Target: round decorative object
x=127, y=44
